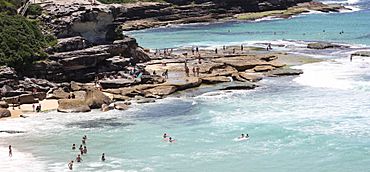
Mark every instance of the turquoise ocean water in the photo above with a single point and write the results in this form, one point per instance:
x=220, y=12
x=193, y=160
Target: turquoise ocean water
x=318, y=121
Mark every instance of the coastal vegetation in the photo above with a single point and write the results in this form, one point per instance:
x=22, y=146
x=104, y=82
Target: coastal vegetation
x=21, y=39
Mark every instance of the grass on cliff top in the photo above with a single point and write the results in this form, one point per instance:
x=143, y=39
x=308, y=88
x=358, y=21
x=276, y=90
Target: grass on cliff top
x=276, y=13
x=21, y=41
x=127, y=1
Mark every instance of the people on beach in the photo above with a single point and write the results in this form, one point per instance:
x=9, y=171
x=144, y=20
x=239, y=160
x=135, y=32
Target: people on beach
x=350, y=58
x=216, y=51
x=78, y=158
x=33, y=107
x=197, y=70
x=241, y=47
x=103, y=157
x=73, y=146
x=10, y=151
x=233, y=50
x=197, y=49
x=224, y=47
x=268, y=47
x=186, y=69
x=70, y=165
x=85, y=150
x=194, y=71
x=154, y=73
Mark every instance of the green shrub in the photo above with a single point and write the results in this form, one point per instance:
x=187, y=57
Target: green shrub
x=34, y=9
x=21, y=41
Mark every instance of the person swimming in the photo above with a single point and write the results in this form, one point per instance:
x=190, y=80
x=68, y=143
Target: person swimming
x=85, y=150
x=82, y=151
x=84, y=141
x=165, y=135
x=171, y=140
x=70, y=165
x=103, y=157
x=78, y=158
x=242, y=136
x=73, y=146
x=84, y=137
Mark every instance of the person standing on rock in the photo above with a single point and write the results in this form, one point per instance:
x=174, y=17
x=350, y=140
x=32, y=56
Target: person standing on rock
x=241, y=47
x=187, y=70
x=216, y=51
x=197, y=70
x=194, y=71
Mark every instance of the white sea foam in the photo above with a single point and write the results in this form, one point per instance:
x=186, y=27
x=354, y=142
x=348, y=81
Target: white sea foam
x=19, y=162
x=336, y=74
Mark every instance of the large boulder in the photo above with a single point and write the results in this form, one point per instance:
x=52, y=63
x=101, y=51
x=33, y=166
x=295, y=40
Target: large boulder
x=95, y=98
x=191, y=82
x=284, y=72
x=71, y=44
x=263, y=68
x=4, y=104
x=7, y=73
x=121, y=106
x=215, y=79
x=250, y=77
x=145, y=100
x=59, y=94
x=76, y=86
x=72, y=105
x=22, y=99
x=324, y=45
x=162, y=90
x=117, y=83
x=240, y=86
x=361, y=53
x=4, y=113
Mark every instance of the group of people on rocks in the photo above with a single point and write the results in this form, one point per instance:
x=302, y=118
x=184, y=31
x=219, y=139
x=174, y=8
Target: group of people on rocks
x=166, y=52
x=83, y=151
x=196, y=70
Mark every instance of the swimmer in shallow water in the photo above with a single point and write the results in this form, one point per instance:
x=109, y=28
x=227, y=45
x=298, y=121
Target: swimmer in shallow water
x=103, y=157
x=78, y=159
x=70, y=165
x=85, y=150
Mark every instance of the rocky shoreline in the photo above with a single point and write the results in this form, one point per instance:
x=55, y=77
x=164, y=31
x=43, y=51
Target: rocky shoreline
x=94, y=66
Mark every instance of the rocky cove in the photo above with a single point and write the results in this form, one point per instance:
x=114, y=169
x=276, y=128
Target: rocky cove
x=92, y=60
